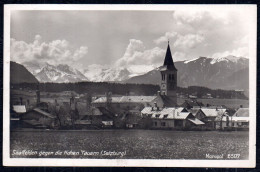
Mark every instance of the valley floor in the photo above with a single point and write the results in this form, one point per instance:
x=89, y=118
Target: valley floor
x=130, y=144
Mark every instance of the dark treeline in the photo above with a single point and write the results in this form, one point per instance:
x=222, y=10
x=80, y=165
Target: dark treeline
x=218, y=93
x=125, y=89
x=93, y=88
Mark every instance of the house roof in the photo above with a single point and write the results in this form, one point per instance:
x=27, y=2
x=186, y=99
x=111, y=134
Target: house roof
x=105, y=111
x=194, y=111
x=104, y=100
x=212, y=112
x=82, y=122
x=196, y=121
x=242, y=112
x=19, y=108
x=43, y=113
x=126, y=99
x=182, y=115
x=137, y=99
x=236, y=119
x=167, y=101
x=166, y=113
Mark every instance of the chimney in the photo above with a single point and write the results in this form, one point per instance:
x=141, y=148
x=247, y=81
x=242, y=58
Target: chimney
x=21, y=100
x=158, y=93
x=38, y=95
x=72, y=103
x=155, y=104
x=27, y=103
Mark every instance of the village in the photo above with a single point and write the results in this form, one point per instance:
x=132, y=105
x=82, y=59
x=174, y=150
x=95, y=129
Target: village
x=161, y=111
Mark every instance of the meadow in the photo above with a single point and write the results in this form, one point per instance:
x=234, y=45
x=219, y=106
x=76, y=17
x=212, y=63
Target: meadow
x=136, y=144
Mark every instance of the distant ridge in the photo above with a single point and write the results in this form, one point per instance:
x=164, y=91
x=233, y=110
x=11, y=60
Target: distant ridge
x=223, y=73
x=19, y=74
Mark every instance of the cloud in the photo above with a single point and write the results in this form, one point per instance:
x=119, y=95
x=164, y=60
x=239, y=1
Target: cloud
x=240, y=52
x=188, y=41
x=54, y=52
x=207, y=32
x=166, y=37
x=137, y=54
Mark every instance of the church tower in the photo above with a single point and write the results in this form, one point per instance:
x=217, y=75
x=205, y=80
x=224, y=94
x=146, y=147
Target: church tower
x=168, y=76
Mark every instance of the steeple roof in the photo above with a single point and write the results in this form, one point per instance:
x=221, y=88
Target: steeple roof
x=168, y=62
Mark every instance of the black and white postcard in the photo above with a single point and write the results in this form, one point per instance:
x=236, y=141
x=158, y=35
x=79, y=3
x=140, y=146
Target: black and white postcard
x=130, y=85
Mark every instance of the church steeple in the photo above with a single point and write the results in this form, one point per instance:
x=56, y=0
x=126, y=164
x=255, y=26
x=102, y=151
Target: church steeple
x=168, y=62
x=169, y=76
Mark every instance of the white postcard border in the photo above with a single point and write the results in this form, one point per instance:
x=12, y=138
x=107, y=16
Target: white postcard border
x=7, y=161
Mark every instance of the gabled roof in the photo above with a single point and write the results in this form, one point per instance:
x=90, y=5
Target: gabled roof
x=168, y=62
x=126, y=99
x=242, y=112
x=182, y=115
x=105, y=111
x=167, y=100
x=43, y=113
x=212, y=112
x=137, y=99
x=166, y=113
x=194, y=111
x=19, y=108
x=104, y=99
x=196, y=121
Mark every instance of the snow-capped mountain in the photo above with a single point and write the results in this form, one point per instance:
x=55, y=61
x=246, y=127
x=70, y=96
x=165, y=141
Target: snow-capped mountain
x=229, y=58
x=59, y=74
x=98, y=73
x=221, y=73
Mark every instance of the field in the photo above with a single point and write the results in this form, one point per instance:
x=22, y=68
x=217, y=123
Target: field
x=129, y=144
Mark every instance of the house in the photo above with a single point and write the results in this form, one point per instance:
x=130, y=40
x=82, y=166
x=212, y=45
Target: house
x=239, y=121
x=208, y=116
x=242, y=112
x=16, y=111
x=233, y=122
x=100, y=117
x=161, y=100
x=123, y=104
x=19, y=109
x=39, y=119
x=171, y=118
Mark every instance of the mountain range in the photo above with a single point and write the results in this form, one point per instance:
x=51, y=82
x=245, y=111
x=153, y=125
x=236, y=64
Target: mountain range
x=19, y=74
x=221, y=73
x=59, y=74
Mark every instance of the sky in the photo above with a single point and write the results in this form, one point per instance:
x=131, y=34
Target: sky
x=133, y=39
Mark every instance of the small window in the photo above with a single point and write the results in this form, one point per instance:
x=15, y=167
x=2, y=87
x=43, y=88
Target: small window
x=155, y=123
x=163, y=124
x=157, y=115
x=165, y=116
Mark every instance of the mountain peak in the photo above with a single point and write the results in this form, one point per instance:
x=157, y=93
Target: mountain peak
x=229, y=58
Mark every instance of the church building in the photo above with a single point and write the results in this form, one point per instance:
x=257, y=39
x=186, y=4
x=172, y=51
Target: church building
x=167, y=96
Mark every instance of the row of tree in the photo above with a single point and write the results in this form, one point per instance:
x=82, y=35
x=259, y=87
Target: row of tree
x=97, y=88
